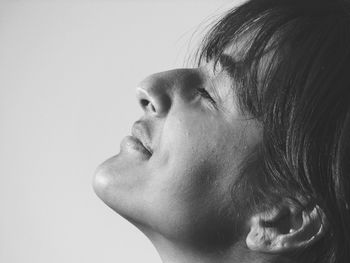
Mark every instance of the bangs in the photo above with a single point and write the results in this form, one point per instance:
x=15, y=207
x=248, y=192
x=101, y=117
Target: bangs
x=255, y=38
x=275, y=40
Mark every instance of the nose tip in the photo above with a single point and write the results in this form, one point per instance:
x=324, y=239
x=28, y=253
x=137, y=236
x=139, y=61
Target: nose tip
x=153, y=96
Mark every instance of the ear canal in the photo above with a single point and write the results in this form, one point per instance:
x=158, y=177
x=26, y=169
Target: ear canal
x=268, y=238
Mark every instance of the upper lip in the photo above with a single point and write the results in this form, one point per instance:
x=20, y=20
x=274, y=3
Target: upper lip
x=140, y=132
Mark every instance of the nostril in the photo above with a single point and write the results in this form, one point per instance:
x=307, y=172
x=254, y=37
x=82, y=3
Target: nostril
x=153, y=98
x=152, y=107
x=144, y=103
x=147, y=104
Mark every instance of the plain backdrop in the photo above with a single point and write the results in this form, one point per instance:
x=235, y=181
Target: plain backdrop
x=68, y=72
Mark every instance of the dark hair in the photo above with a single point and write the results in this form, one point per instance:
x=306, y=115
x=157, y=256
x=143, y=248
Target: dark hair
x=294, y=78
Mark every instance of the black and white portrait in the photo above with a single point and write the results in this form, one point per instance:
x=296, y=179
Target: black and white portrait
x=175, y=131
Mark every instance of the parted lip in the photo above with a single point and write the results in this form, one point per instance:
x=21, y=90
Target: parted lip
x=140, y=132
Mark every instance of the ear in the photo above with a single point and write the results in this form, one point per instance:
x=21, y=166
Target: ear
x=285, y=229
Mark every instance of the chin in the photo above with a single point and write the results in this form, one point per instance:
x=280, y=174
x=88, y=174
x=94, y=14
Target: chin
x=107, y=184
x=120, y=186
x=101, y=184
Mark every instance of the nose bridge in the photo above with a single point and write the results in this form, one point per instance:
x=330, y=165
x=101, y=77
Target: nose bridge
x=156, y=93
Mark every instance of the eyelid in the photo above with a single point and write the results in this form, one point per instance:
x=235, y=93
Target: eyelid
x=205, y=94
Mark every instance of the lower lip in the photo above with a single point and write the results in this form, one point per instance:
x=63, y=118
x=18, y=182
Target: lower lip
x=133, y=144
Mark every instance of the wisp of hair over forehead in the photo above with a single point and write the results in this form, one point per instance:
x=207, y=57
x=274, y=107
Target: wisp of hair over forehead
x=302, y=99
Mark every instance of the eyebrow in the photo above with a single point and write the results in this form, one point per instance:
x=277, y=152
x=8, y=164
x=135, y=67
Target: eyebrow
x=229, y=65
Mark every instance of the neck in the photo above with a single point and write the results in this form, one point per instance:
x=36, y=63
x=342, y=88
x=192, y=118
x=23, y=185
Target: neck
x=170, y=252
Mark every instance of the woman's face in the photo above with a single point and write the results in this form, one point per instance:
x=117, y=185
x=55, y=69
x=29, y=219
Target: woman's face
x=196, y=140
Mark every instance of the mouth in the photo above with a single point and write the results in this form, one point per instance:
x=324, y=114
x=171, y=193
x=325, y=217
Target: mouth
x=140, y=133
x=140, y=143
x=133, y=144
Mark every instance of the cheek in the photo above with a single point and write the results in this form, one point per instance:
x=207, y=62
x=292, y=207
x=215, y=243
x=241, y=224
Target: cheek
x=193, y=186
x=196, y=158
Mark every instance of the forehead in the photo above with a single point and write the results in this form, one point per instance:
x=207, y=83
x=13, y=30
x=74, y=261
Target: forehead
x=243, y=58
x=244, y=73
x=239, y=46
x=246, y=47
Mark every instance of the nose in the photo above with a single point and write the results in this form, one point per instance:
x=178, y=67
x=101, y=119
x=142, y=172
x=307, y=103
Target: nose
x=157, y=92
x=153, y=94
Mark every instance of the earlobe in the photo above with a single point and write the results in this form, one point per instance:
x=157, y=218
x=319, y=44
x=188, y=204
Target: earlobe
x=266, y=234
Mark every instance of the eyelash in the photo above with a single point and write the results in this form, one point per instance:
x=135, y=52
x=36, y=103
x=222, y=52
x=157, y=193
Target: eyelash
x=205, y=94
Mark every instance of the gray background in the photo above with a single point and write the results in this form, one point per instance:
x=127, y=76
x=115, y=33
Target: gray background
x=68, y=72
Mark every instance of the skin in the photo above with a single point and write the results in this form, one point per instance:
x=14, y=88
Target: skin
x=180, y=195
x=176, y=196
x=178, y=191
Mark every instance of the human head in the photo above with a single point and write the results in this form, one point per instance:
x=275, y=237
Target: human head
x=294, y=78
x=290, y=77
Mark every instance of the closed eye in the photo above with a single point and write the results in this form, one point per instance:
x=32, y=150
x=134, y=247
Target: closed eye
x=205, y=94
